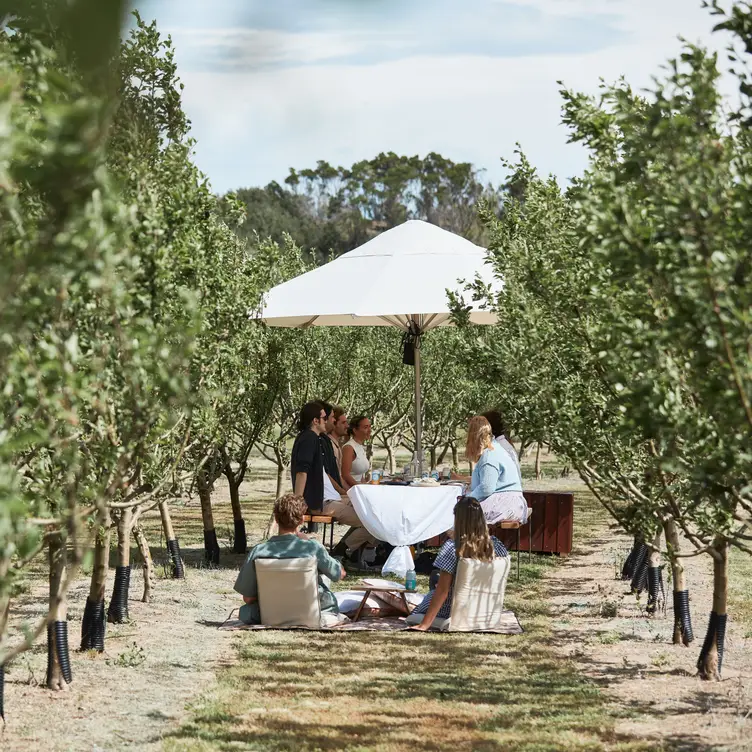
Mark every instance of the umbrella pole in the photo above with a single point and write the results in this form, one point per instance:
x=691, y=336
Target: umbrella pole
x=418, y=410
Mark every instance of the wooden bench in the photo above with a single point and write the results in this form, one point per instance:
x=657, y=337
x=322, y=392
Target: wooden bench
x=550, y=531
x=323, y=519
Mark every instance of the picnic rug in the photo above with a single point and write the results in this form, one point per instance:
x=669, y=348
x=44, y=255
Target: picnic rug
x=510, y=625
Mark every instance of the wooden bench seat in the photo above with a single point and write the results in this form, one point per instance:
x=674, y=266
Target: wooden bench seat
x=515, y=525
x=323, y=519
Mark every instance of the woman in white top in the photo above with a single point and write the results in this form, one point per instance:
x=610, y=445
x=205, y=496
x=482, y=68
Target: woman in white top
x=355, y=462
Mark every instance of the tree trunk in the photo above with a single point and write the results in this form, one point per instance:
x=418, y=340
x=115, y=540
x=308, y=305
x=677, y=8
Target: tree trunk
x=710, y=662
x=173, y=546
x=390, y=458
x=538, y=470
x=442, y=456
x=148, y=563
x=682, y=619
x=4, y=610
x=280, y=477
x=93, y=625
x=58, y=660
x=211, y=546
x=240, y=541
x=656, y=594
x=455, y=457
x=432, y=455
x=117, y=613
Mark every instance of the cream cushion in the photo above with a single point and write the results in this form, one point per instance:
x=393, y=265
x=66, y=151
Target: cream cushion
x=288, y=592
x=478, y=594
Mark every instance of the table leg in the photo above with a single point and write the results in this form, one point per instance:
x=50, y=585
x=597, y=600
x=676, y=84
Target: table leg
x=404, y=603
x=362, y=603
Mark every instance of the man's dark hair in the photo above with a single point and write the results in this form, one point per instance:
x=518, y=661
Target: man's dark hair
x=327, y=407
x=496, y=421
x=309, y=412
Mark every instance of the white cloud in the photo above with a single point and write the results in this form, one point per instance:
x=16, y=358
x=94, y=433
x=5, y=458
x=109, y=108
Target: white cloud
x=248, y=49
x=252, y=126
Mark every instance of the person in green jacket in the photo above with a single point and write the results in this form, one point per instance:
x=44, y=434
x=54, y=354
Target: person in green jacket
x=287, y=544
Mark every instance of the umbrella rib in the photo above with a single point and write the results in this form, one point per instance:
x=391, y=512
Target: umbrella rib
x=396, y=322
x=308, y=323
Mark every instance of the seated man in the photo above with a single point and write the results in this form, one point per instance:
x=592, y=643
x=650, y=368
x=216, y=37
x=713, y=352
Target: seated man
x=287, y=544
x=311, y=481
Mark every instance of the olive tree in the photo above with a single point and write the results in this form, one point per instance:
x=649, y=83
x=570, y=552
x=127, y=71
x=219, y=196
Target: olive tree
x=665, y=212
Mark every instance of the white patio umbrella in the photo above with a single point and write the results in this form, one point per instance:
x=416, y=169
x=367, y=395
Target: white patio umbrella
x=399, y=278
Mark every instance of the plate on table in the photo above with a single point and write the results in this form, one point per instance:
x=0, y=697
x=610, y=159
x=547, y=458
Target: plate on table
x=426, y=483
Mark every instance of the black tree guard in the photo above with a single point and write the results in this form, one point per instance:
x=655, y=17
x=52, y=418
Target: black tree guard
x=211, y=547
x=682, y=617
x=656, y=593
x=640, y=576
x=50, y=653
x=178, y=572
x=117, y=613
x=628, y=569
x=93, y=626
x=63, y=656
x=240, y=543
x=716, y=635
x=57, y=640
x=2, y=692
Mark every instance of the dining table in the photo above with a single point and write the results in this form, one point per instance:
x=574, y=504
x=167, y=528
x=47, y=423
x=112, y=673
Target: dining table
x=403, y=515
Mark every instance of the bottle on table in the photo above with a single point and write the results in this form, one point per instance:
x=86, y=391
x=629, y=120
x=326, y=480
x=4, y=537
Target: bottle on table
x=415, y=466
x=411, y=580
x=435, y=474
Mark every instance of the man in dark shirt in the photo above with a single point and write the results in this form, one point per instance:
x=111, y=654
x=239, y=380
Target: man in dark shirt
x=308, y=476
x=307, y=464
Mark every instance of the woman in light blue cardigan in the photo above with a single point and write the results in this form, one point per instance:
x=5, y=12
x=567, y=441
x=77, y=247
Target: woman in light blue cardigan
x=495, y=481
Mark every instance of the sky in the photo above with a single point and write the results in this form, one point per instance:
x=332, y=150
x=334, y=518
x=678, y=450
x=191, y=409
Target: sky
x=274, y=84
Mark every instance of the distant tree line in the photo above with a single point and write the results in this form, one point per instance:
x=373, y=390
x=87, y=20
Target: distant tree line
x=331, y=210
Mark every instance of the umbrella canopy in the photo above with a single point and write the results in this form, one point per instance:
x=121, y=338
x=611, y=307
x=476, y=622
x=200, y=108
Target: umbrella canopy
x=399, y=278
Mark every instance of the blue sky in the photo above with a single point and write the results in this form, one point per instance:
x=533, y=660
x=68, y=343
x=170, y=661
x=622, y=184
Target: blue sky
x=273, y=84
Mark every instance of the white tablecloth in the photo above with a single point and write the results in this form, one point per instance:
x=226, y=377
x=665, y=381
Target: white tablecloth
x=403, y=515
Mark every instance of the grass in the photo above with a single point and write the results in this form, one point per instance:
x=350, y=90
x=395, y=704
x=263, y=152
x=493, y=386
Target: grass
x=400, y=691
x=740, y=589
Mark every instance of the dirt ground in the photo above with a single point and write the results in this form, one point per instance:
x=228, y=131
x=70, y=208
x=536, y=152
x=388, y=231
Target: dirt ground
x=633, y=659
x=142, y=687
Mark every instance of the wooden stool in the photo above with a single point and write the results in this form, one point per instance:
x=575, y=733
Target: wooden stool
x=325, y=520
x=516, y=525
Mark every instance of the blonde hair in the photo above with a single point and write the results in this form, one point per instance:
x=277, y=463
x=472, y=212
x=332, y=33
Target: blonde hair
x=471, y=538
x=479, y=437
x=289, y=510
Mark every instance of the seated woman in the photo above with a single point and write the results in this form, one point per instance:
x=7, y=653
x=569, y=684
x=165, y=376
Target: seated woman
x=287, y=544
x=355, y=462
x=495, y=482
x=471, y=541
